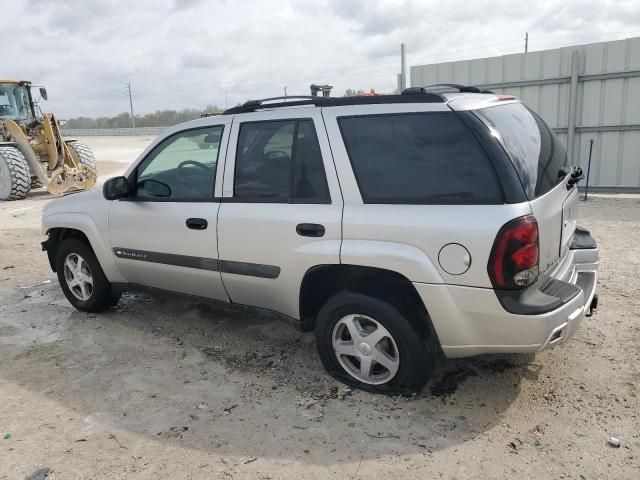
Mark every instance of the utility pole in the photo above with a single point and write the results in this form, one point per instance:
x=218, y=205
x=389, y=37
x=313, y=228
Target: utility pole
x=403, y=68
x=526, y=42
x=226, y=99
x=133, y=121
x=285, y=92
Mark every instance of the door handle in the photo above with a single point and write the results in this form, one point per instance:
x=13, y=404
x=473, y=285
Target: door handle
x=197, y=223
x=310, y=229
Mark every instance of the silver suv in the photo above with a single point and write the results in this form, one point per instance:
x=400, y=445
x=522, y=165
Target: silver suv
x=397, y=227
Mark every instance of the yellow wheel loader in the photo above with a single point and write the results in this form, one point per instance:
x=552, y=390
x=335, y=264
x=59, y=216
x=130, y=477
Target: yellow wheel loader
x=32, y=150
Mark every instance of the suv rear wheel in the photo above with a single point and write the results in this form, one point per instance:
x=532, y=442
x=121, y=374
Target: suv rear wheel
x=370, y=344
x=81, y=277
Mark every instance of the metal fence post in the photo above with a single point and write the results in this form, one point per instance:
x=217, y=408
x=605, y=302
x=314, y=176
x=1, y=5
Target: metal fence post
x=586, y=188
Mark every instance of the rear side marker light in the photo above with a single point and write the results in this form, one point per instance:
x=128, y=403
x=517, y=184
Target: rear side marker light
x=515, y=255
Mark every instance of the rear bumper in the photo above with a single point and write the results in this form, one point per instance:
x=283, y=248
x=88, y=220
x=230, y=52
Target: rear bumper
x=472, y=321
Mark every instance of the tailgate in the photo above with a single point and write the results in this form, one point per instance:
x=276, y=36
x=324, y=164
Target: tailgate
x=556, y=213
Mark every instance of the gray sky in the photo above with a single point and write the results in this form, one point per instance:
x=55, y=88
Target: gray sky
x=190, y=53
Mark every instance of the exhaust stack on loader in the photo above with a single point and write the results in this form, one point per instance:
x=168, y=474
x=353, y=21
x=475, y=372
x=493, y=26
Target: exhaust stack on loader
x=32, y=150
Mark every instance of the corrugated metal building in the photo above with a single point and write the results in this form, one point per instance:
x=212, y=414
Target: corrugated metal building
x=585, y=92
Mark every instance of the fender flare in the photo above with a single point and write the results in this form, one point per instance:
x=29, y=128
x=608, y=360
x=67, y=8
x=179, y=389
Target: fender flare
x=85, y=224
x=407, y=260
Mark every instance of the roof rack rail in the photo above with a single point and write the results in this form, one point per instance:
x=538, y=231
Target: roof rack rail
x=253, y=105
x=455, y=86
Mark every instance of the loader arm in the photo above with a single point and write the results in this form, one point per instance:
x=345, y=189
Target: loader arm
x=52, y=141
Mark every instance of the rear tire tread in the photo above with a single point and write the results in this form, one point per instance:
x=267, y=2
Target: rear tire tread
x=35, y=183
x=85, y=155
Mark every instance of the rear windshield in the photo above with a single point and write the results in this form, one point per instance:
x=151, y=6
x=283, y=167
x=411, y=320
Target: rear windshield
x=418, y=158
x=536, y=153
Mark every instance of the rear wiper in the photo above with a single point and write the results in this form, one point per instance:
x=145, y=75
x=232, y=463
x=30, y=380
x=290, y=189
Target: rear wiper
x=576, y=175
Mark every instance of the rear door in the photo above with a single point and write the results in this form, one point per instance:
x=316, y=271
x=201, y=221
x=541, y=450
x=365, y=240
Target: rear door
x=541, y=163
x=281, y=208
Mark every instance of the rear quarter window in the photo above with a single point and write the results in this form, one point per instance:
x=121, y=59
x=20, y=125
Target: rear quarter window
x=418, y=158
x=536, y=153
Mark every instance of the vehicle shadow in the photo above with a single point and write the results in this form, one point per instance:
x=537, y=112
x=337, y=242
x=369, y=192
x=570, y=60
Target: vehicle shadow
x=233, y=381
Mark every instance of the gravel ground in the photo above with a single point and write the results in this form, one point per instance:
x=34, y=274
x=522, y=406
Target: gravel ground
x=167, y=388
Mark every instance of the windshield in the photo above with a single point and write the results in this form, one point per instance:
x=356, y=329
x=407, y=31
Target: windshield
x=14, y=102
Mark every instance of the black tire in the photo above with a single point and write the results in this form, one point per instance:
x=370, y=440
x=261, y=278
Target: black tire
x=417, y=350
x=101, y=297
x=35, y=183
x=85, y=155
x=15, y=178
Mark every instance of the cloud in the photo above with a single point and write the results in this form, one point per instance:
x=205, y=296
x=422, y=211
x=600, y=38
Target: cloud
x=186, y=4
x=190, y=53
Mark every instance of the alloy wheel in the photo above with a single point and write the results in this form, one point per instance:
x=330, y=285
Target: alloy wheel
x=365, y=349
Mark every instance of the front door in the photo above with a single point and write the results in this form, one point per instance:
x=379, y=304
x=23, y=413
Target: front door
x=164, y=236
x=281, y=208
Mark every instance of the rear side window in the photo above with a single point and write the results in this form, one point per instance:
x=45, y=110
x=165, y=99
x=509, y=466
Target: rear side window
x=537, y=155
x=280, y=161
x=418, y=158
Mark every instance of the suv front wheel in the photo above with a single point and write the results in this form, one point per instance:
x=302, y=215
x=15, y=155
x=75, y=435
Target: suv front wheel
x=370, y=344
x=81, y=277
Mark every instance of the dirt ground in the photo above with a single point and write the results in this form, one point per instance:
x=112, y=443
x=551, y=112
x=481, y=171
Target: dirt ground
x=165, y=388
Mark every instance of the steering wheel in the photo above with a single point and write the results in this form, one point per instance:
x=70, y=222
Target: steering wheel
x=183, y=171
x=195, y=177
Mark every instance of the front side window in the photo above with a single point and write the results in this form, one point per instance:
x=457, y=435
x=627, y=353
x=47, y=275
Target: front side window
x=280, y=161
x=418, y=158
x=536, y=153
x=182, y=167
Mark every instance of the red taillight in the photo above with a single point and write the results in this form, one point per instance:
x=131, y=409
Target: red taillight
x=514, y=258
x=526, y=257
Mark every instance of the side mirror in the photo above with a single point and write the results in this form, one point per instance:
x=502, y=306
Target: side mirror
x=116, y=187
x=43, y=93
x=154, y=188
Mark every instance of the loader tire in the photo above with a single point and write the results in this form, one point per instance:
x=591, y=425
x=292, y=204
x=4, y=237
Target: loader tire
x=85, y=154
x=35, y=183
x=15, y=178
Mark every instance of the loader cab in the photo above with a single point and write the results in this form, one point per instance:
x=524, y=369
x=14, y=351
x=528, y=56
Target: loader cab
x=16, y=102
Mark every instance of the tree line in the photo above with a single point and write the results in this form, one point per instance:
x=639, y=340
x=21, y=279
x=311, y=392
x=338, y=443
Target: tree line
x=159, y=118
